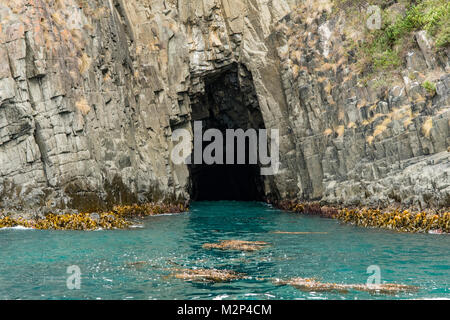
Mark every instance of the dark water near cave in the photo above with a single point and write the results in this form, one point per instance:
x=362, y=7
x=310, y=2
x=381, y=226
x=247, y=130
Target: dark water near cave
x=33, y=263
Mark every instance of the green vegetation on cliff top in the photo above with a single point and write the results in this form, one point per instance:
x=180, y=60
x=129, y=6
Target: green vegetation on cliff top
x=384, y=49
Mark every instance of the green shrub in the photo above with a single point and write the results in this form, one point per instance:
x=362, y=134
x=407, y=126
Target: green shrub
x=387, y=59
x=383, y=48
x=430, y=87
x=434, y=17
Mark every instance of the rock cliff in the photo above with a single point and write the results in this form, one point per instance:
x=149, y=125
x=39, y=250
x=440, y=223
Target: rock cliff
x=91, y=91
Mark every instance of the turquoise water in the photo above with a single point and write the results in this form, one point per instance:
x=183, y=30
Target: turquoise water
x=33, y=263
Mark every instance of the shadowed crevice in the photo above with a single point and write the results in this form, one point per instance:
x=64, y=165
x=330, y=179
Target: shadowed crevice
x=229, y=102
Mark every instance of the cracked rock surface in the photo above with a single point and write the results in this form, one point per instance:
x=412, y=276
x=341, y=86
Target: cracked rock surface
x=91, y=91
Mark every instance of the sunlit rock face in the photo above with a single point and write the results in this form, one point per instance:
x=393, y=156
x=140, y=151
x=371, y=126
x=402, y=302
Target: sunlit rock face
x=91, y=91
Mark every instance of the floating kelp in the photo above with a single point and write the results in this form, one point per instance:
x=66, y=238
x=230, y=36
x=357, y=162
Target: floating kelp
x=238, y=245
x=118, y=218
x=207, y=275
x=404, y=221
x=313, y=285
x=297, y=232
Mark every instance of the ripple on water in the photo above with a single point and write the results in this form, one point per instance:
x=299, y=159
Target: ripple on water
x=137, y=263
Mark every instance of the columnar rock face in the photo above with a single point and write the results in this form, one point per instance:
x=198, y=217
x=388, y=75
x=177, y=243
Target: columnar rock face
x=91, y=91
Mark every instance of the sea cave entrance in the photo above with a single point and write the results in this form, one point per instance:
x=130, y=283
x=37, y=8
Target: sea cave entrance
x=229, y=102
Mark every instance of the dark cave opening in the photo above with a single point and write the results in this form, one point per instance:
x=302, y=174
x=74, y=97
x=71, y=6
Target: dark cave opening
x=226, y=182
x=229, y=102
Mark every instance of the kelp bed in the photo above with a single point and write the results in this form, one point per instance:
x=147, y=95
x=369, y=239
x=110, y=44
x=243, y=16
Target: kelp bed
x=403, y=221
x=395, y=219
x=120, y=217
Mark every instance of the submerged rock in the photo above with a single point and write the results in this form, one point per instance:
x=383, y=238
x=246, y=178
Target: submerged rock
x=136, y=264
x=207, y=275
x=298, y=232
x=385, y=288
x=313, y=285
x=238, y=245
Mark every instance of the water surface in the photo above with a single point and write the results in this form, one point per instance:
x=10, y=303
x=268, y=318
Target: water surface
x=33, y=263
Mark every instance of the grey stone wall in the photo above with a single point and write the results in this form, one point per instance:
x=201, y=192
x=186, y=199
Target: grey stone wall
x=90, y=92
